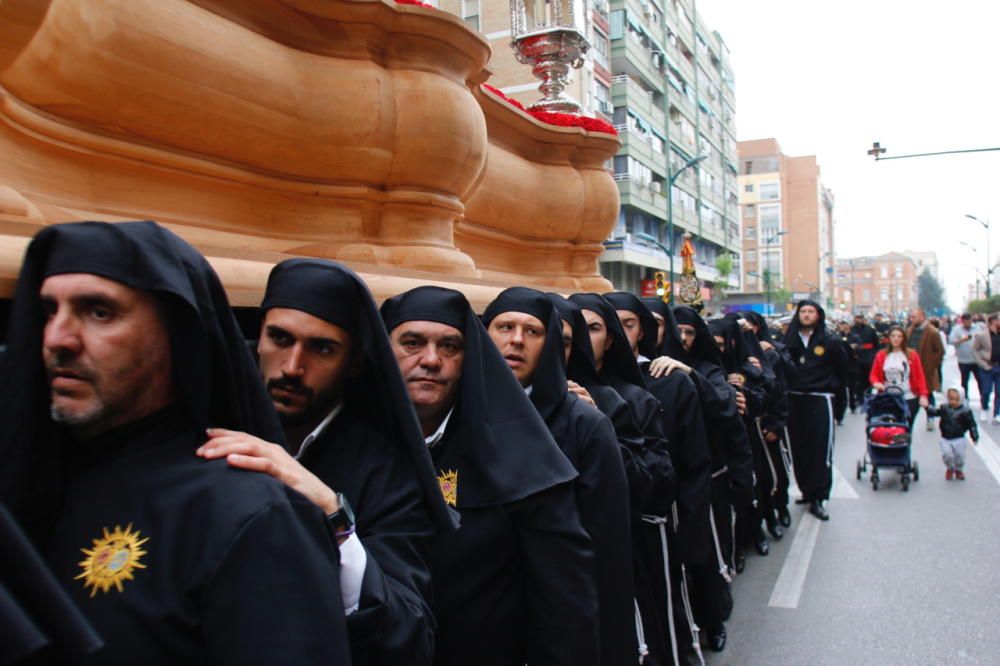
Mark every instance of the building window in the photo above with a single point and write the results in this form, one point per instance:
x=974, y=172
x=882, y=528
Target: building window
x=770, y=221
x=770, y=191
x=470, y=13
x=601, y=49
x=748, y=187
x=750, y=256
x=749, y=211
x=867, y=295
x=602, y=97
x=899, y=270
x=770, y=262
x=750, y=233
x=884, y=293
x=884, y=273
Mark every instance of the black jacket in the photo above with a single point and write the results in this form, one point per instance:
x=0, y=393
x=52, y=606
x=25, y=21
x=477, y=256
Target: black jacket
x=955, y=422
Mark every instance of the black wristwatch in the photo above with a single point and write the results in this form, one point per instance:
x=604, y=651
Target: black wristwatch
x=342, y=520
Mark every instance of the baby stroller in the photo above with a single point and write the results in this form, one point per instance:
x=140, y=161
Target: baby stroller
x=887, y=430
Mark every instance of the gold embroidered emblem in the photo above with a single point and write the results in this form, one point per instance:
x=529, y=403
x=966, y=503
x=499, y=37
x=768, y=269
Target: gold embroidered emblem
x=819, y=350
x=112, y=559
x=449, y=487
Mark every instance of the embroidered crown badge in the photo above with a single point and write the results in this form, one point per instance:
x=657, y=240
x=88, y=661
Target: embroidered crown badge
x=112, y=560
x=449, y=486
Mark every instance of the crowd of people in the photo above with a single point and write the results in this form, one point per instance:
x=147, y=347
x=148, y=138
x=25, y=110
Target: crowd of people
x=557, y=480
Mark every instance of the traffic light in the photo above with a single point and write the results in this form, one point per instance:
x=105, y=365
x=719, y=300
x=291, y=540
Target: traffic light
x=662, y=286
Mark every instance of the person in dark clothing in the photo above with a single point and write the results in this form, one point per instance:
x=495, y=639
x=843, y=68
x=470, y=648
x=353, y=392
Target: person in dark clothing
x=772, y=428
x=732, y=467
x=849, y=395
x=527, y=330
x=354, y=438
x=123, y=351
x=956, y=420
x=514, y=585
x=818, y=374
x=864, y=340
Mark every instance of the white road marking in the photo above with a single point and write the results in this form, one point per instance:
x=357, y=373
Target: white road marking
x=842, y=488
x=988, y=451
x=791, y=580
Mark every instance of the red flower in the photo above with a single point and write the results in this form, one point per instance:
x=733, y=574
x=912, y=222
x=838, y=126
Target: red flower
x=414, y=2
x=560, y=119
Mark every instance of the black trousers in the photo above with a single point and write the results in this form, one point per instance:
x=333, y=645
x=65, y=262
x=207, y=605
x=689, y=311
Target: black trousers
x=811, y=435
x=964, y=371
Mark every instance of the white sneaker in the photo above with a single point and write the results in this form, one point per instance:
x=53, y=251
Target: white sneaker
x=984, y=416
x=996, y=419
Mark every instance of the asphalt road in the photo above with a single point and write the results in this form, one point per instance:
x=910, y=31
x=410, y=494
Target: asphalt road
x=893, y=578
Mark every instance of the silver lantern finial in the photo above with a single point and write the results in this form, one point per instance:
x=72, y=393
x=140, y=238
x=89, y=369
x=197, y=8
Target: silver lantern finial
x=550, y=36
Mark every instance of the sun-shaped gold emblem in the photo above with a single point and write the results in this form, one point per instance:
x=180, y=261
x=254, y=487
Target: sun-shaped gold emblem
x=112, y=559
x=449, y=486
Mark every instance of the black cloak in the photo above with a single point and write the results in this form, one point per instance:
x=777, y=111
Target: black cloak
x=587, y=438
x=374, y=453
x=195, y=535
x=515, y=583
x=822, y=366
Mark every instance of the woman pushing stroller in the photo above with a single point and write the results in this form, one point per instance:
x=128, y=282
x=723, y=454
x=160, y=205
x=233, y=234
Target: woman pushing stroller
x=899, y=366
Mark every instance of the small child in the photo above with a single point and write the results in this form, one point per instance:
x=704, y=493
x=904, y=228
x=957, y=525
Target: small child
x=956, y=420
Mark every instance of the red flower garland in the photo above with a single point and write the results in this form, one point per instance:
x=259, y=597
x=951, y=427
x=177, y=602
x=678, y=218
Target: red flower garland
x=559, y=119
x=414, y=2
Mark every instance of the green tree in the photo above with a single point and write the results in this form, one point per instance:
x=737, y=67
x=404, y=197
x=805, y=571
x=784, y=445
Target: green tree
x=930, y=294
x=724, y=266
x=985, y=306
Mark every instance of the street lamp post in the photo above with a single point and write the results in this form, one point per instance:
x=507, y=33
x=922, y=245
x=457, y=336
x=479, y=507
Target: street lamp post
x=768, y=242
x=819, y=277
x=989, y=256
x=670, y=210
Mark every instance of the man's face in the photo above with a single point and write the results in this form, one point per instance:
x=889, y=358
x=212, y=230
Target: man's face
x=600, y=339
x=661, y=329
x=918, y=317
x=520, y=338
x=567, y=339
x=994, y=325
x=430, y=357
x=808, y=316
x=304, y=361
x=720, y=342
x=688, y=334
x=633, y=328
x=859, y=321
x=967, y=322
x=106, y=352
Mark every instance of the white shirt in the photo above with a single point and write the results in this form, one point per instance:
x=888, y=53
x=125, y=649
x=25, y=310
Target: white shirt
x=436, y=436
x=353, y=556
x=897, y=372
x=804, y=337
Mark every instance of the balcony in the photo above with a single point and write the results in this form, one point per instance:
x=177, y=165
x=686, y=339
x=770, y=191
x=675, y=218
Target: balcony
x=647, y=198
x=626, y=92
x=629, y=251
x=629, y=56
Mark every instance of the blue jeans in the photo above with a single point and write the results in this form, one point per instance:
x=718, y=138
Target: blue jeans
x=991, y=384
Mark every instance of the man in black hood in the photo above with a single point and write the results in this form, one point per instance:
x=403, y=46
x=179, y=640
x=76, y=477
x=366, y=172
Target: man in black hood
x=731, y=463
x=514, y=584
x=817, y=375
x=122, y=352
x=864, y=339
x=355, y=451
x=528, y=331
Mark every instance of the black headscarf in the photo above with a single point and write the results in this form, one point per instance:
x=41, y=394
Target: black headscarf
x=819, y=332
x=704, y=348
x=335, y=294
x=506, y=452
x=218, y=382
x=548, y=384
x=580, y=367
x=619, y=361
x=757, y=319
x=749, y=345
x=672, y=344
x=732, y=341
x=621, y=300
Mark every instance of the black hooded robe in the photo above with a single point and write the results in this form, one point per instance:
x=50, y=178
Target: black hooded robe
x=372, y=451
x=817, y=374
x=514, y=585
x=588, y=440
x=151, y=542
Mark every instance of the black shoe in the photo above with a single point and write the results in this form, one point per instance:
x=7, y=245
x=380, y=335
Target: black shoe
x=717, y=639
x=803, y=500
x=739, y=563
x=776, y=531
x=760, y=543
x=784, y=518
x=816, y=509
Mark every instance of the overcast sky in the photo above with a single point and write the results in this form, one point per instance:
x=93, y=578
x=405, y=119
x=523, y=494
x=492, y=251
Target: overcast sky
x=827, y=78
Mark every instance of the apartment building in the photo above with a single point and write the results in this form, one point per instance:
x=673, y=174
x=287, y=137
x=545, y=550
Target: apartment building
x=663, y=78
x=885, y=283
x=787, y=223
